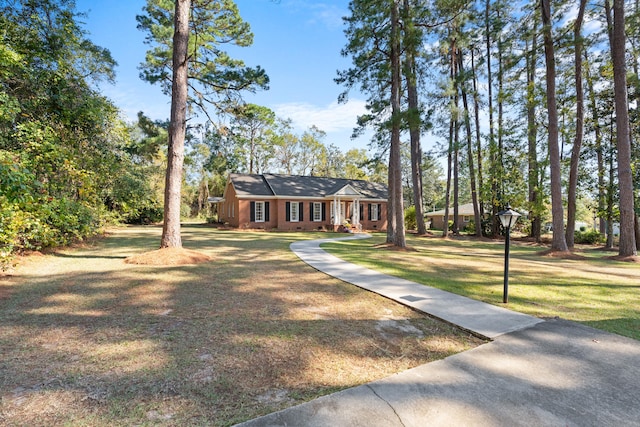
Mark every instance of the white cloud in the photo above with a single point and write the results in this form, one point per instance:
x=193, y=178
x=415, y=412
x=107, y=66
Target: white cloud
x=329, y=15
x=589, y=26
x=570, y=15
x=592, y=26
x=331, y=118
x=132, y=99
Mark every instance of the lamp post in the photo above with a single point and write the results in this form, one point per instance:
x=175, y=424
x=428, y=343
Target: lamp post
x=508, y=218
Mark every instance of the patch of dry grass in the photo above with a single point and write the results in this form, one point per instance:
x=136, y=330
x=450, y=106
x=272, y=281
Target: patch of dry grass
x=587, y=285
x=87, y=339
x=168, y=256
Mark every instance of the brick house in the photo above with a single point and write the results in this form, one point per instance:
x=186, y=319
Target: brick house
x=289, y=203
x=465, y=216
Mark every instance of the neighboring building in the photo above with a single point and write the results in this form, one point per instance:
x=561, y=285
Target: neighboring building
x=284, y=202
x=465, y=216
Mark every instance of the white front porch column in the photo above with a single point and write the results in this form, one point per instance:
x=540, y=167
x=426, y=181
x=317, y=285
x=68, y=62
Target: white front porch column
x=355, y=220
x=336, y=211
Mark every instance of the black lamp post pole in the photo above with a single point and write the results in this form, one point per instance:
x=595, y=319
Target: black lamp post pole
x=505, y=293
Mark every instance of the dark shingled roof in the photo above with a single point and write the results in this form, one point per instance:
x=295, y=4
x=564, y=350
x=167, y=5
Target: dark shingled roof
x=302, y=186
x=250, y=185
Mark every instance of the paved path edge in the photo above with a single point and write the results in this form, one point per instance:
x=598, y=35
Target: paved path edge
x=482, y=319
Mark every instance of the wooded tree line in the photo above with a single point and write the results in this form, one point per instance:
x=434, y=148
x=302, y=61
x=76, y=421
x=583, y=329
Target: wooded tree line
x=534, y=103
x=244, y=143
x=66, y=165
x=254, y=140
x=194, y=68
x=69, y=162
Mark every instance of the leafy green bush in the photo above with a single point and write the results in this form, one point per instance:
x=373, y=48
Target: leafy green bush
x=487, y=225
x=20, y=230
x=470, y=227
x=146, y=215
x=185, y=210
x=52, y=222
x=523, y=225
x=410, y=221
x=8, y=232
x=17, y=185
x=70, y=220
x=31, y=220
x=588, y=237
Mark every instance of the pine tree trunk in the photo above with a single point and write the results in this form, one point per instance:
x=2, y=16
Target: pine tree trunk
x=601, y=185
x=559, y=242
x=636, y=99
x=395, y=234
x=456, y=178
x=476, y=113
x=495, y=201
x=535, y=204
x=447, y=197
x=472, y=172
x=177, y=128
x=577, y=143
x=610, y=200
x=625, y=178
x=456, y=142
x=636, y=224
x=598, y=148
x=501, y=131
x=414, y=121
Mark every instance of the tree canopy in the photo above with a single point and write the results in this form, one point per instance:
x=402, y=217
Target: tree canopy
x=62, y=144
x=471, y=77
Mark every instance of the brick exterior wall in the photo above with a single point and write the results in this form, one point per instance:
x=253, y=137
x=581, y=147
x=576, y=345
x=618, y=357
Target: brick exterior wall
x=238, y=213
x=229, y=209
x=381, y=224
x=307, y=223
x=437, y=221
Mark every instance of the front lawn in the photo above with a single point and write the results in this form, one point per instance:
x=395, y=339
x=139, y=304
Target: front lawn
x=86, y=339
x=594, y=290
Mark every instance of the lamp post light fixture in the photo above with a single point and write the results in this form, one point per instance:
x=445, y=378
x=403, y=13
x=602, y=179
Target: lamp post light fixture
x=508, y=218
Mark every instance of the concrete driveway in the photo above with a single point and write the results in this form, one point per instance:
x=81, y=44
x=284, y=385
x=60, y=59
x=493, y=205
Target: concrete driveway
x=535, y=372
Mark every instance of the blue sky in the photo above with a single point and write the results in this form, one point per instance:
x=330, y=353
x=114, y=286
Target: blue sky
x=297, y=42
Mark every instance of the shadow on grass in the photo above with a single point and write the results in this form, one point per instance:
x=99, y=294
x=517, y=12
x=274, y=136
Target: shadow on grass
x=586, y=290
x=554, y=373
x=87, y=256
x=91, y=340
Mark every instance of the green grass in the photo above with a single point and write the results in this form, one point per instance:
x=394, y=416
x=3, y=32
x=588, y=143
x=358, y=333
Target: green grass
x=87, y=339
x=595, y=290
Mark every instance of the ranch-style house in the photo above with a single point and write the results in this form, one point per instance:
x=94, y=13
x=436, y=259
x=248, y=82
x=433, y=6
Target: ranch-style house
x=289, y=203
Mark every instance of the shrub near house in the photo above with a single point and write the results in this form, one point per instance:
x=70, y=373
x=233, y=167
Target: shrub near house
x=285, y=202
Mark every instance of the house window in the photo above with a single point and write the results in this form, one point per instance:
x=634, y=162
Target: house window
x=375, y=212
x=317, y=212
x=259, y=211
x=466, y=218
x=293, y=212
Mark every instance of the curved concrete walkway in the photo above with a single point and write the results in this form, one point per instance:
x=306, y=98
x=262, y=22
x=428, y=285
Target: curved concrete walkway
x=483, y=319
x=534, y=372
